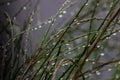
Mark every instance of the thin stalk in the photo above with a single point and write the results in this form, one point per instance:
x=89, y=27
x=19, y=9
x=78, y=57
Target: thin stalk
x=91, y=48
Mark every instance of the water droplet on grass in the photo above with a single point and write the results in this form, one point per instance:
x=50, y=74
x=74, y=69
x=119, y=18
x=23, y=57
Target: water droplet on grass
x=8, y=3
x=24, y=7
x=64, y=12
x=60, y=16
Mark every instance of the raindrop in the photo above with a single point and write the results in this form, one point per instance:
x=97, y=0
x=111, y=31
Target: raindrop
x=47, y=54
x=61, y=78
x=78, y=23
x=64, y=12
x=114, y=34
x=27, y=79
x=50, y=73
x=69, y=48
x=98, y=73
x=88, y=45
x=60, y=16
x=111, y=4
x=38, y=61
x=117, y=76
x=96, y=33
x=45, y=22
x=93, y=62
x=8, y=3
x=67, y=44
x=86, y=76
x=98, y=4
x=53, y=64
x=52, y=24
x=69, y=53
x=31, y=19
x=119, y=62
x=102, y=54
x=66, y=64
x=35, y=28
x=98, y=46
x=14, y=18
x=110, y=69
x=108, y=37
x=83, y=46
x=86, y=4
x=86, y=60
x=32, y=29
x=90, y=74
x=54, y=43
x=49, y=21
x=24, y=8
x=40, y=26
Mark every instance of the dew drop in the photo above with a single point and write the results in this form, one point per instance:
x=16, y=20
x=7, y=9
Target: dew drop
x=35, y=28
x=66, y=64
x=60, y=16
x=49, y=21
x=61, y=78
x=98, y=73
x=93, y=62
x=86, y=76
x=78, y=23
x=8, y=3
x=83, y=46
x=64, y=12
x=98, y=46
x=67, y=44
x=90, y=74
x=54, y=43
x=45, y=22
x=50, y=73
x=117, y=76
x=69, y=48
x=53, y=64
x=111, y=4
x=114, y=34
x=24, y=8
x=98, y=4
x=107, y=38
x=109, y=69
x=86, y=60
x=102, y=54
x=40, y=26
x=69, y=53
x=86, y=4
x=14, y=18
x=38, y=61
x=31, y=19
x=119, y=62
x=32, y=29
x=27, y=79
